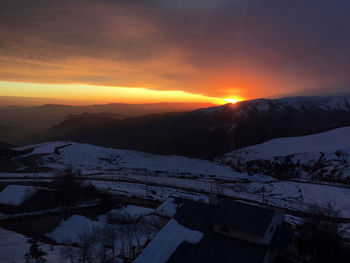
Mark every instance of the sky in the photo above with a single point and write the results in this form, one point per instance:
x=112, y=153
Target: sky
x=165, y=50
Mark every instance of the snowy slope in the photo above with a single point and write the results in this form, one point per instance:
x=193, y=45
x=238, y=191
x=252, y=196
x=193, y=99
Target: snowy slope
x=322, y=142
x=325, y=156
x=91, y=158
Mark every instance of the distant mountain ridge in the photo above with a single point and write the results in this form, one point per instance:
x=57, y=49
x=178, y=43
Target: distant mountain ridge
x=328, y=103
x=26, y=120
x=211, y=132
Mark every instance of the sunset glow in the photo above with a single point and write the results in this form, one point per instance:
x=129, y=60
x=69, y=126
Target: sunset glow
x=111, y=108
x=232, y=100
x=81, y=94
x=152, y=51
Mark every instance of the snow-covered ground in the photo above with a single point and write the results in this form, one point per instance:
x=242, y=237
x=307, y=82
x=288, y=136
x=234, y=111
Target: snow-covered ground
x=167, y=208
x=137, y=174
x=14, y=246
x=141, y=190
x=69, y=230
x=79, y=229
x=16, y=194
x=312, y=194
x=96, y=159
x=157, y=253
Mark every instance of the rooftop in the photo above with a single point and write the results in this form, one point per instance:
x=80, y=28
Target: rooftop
x=213, y=246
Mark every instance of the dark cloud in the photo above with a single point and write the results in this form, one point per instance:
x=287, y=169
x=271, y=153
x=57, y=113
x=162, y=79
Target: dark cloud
x=217, y=48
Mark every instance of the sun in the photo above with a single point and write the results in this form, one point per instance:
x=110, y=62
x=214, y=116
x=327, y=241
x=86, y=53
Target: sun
x=231, y=100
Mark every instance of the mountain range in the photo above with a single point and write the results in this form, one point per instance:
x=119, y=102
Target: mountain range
x=208, y=132
x=18, y=122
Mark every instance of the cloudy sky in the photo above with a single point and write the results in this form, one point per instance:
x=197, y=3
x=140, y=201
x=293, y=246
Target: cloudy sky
x=166, y=49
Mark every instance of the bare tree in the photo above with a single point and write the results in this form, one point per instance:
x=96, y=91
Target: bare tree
x=87, y=241
x=107, y=237
x=35, y=254
x=125, y=240
x=321, y=232
x=67, y=251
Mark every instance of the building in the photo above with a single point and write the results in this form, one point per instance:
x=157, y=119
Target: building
x=225, y=232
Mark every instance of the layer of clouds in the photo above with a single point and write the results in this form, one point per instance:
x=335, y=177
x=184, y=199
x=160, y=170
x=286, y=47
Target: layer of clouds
x=216, y=48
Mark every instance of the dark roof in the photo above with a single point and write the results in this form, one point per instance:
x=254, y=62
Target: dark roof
x=243, y=217
x=196, y=216
x=281, y=238
x=235, y=215
x=214, y=247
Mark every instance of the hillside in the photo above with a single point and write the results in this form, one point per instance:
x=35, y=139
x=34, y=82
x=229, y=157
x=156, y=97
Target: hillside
x=319, y=157
x=210, y=132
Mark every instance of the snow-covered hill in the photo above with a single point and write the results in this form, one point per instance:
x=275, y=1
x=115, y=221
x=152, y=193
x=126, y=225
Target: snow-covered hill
x=93, y=159
x=324, y=156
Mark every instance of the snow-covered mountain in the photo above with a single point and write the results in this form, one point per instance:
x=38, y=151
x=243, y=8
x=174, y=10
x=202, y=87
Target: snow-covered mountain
x=324, y=157
x=326, y=103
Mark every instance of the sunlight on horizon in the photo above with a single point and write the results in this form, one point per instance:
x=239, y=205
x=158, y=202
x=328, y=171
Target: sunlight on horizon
x=83, y=93
x=233, y=100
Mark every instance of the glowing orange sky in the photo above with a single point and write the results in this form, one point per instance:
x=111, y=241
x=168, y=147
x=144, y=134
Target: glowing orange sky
x=165, y=50
x=81, y=94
